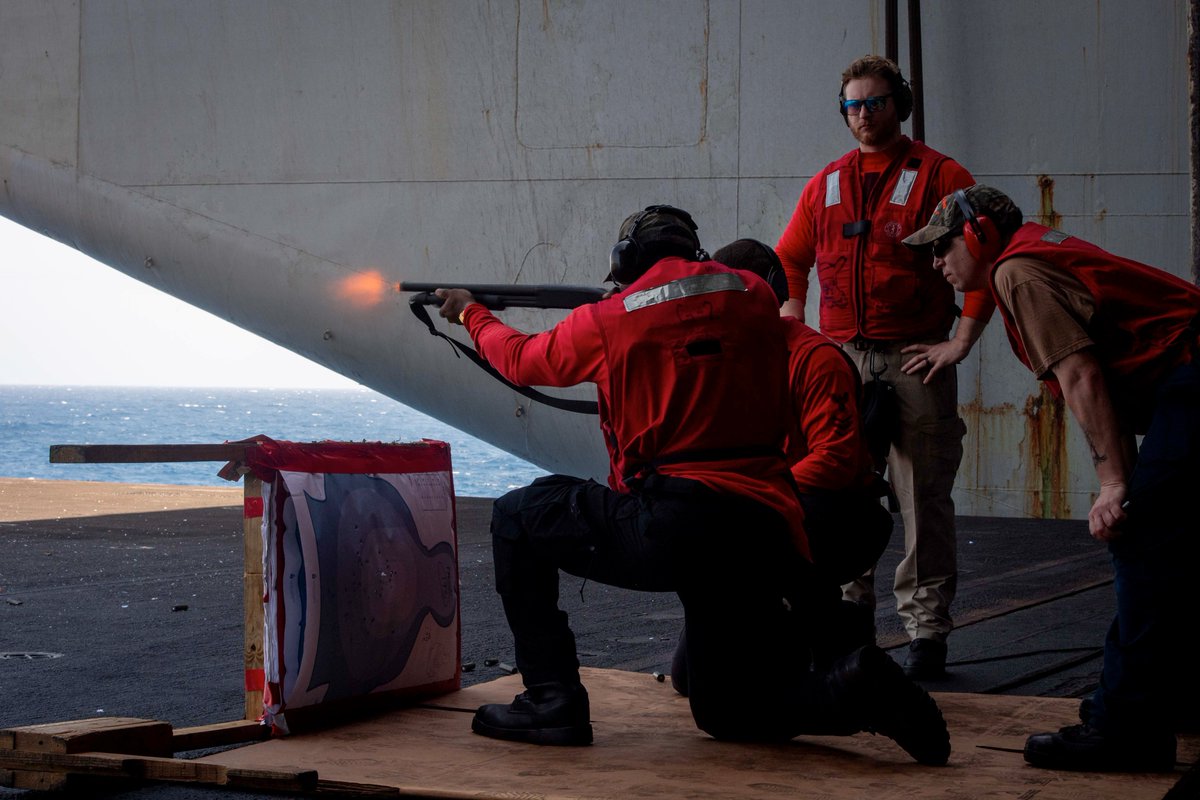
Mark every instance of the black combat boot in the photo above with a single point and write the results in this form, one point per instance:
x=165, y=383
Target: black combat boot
x=926, y=660
x=850, y=626
x=1082, y=747
x=545, y=713
x=874, y=692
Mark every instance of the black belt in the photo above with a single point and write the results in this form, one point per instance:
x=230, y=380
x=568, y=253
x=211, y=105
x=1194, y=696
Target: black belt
x=703, y=455
x=861, y=343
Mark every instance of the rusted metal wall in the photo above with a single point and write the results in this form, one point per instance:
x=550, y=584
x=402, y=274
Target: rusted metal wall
x=1194, y=120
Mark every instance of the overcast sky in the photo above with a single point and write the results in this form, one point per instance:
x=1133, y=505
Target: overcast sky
x=67, y=319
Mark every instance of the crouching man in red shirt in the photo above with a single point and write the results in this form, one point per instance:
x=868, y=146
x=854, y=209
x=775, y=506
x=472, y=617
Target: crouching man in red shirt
x=840, y=491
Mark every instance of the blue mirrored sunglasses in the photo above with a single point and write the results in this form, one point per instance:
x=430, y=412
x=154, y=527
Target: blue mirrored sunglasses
x=873, y=104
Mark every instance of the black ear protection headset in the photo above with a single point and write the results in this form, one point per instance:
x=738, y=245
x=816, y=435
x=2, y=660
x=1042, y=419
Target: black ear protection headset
x=626, y=259
x=775, y=276
x=754, y=256
x=902, y=96
x=979, y=231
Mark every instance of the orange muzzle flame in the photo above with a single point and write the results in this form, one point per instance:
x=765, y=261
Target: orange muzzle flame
x=364, y=289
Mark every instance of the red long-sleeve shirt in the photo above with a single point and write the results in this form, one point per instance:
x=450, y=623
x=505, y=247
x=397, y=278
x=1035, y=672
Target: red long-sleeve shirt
x=697, y=379
x=827, y=450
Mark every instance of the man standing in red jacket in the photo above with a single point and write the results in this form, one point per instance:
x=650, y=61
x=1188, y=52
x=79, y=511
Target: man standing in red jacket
x=893, y=317
x=1120, y=341
x=701, y=504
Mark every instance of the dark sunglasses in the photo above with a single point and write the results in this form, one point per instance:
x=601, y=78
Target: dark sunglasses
x=873, y=104
x=942, y=245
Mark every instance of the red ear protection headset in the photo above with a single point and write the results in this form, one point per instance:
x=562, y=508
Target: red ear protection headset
x=979, y=232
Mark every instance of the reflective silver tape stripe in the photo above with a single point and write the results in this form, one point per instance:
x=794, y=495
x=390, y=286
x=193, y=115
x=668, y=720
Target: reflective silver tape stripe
x=833, y=188
x=904, y=185
x=685, y=287
x=1055, y=237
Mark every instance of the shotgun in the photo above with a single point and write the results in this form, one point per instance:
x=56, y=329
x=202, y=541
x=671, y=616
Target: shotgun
x=497, y=296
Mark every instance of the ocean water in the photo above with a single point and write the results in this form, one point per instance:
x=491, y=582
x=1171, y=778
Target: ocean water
x=34, y=417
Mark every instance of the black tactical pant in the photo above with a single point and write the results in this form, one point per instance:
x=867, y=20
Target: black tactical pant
x=746, y=594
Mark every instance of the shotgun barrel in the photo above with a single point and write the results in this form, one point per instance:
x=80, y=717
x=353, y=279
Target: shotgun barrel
x=498, y=296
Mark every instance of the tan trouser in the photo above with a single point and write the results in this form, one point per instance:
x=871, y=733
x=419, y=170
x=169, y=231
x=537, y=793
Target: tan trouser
x=921, y=467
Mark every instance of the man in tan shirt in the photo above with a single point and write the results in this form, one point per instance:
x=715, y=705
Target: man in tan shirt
x=1120, y=342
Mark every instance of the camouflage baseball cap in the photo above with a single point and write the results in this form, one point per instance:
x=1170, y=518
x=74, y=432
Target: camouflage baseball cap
x=948, y=218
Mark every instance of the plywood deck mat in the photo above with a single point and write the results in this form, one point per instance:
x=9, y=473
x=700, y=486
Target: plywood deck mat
x=647, y=746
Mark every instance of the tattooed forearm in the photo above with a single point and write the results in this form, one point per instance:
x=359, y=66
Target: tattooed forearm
x=1098, y=457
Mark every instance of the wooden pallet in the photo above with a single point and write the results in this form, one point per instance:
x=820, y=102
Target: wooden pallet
x=59, y=755
x=646, y=746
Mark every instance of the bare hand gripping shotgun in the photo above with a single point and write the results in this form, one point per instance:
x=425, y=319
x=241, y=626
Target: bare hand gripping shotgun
x=497, y=297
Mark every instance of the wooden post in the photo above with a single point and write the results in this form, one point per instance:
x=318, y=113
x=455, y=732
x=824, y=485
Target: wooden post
x=252, y=593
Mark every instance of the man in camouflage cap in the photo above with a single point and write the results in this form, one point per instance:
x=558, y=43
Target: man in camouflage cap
x=1119, y=341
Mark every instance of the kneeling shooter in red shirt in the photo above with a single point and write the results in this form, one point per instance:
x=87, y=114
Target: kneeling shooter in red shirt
x=700, y=502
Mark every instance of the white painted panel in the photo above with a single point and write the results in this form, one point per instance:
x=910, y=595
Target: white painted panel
x=179, y=92
x=39, y=69
x=587, y=73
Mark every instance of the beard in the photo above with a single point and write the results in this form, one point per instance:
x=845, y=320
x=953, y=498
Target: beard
x=878, y=134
